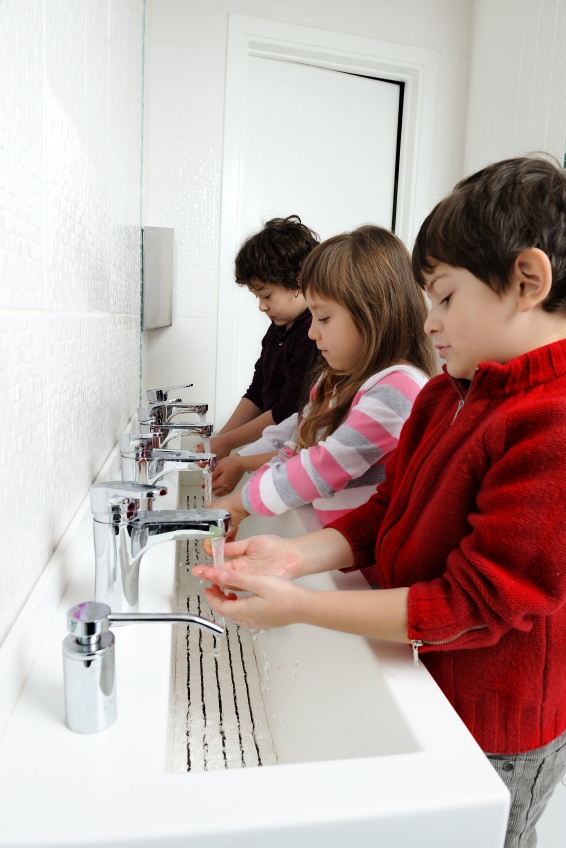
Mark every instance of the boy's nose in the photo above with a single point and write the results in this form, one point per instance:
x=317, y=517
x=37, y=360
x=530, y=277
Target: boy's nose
x=430, y=324
x=311, y=333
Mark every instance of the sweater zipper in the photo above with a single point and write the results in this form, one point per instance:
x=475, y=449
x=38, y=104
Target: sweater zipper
x=418, y=643
x=458, y=408
x=462, y=398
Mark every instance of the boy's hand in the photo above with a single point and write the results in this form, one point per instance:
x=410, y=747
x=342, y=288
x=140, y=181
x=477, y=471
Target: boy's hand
x=274, y=602
x=227, y=475
x=256, y=555
x=217, y=447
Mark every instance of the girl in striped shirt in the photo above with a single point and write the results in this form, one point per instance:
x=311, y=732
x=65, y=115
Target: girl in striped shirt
x=367, y=322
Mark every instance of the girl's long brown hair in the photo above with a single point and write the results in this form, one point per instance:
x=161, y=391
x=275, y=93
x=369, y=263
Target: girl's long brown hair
x=368, y=272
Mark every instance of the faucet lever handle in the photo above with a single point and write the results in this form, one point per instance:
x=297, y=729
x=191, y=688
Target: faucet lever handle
x=155, y=395
x=139, y=443
x=128, y=495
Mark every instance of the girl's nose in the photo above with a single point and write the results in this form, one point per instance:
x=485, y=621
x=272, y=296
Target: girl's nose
x=311, y=333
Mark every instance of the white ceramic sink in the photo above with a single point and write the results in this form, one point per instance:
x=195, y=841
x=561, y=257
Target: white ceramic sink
x=369, y=751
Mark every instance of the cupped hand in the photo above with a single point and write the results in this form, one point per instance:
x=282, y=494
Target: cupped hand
x=273, y=602
x=265, y=555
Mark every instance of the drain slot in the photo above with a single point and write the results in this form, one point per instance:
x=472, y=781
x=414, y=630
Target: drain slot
x=218, y=718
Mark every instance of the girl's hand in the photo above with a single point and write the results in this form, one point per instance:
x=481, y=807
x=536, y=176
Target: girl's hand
x=258, y=555
x=227, y=475
x=274, y=602
x=233, y=505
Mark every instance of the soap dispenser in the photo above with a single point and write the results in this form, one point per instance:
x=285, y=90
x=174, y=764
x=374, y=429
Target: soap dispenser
x=89, y=668
x=88, y=660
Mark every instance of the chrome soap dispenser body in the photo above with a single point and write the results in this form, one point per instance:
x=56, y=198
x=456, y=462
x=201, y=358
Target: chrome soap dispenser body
x=89, y=667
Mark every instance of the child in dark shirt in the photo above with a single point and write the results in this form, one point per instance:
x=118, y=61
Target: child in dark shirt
x=269, y=263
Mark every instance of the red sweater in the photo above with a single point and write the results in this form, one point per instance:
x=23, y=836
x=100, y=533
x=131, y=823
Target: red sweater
x=472, y=516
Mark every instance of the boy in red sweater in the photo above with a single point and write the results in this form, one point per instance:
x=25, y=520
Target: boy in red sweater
x=468, y=530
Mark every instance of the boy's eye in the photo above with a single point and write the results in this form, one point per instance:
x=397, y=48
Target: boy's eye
x=322, y=320
x=446, y=299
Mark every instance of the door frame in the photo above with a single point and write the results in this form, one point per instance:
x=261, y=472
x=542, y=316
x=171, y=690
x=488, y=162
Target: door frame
x=416, y=67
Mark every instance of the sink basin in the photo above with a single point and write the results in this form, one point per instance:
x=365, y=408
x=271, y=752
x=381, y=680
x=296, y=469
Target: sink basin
x=362, y=746
x=317, y=698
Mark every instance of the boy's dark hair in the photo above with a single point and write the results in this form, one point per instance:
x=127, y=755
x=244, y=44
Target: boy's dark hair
x=276, y=254
x=492, y=217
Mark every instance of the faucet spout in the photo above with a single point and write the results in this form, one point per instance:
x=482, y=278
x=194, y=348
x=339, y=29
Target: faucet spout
x=163, y=411
x=141, y=463
x=163, y=433
x=125, y=528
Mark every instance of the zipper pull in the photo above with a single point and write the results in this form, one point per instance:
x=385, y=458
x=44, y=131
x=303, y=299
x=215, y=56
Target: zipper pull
x=416, y=643
x=460, y=405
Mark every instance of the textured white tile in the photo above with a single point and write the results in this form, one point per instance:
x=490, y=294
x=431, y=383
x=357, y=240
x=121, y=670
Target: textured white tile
x=65, y=57
x=181, y=354
x=25, y=460
x=70, y=213
x=77, y=257
x=21, y=155
x=184, y=102
x=193, y=211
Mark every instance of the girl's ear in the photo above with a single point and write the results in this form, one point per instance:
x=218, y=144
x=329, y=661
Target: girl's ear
x=532, y=278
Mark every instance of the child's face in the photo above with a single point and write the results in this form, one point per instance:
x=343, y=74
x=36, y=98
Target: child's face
x=281, y=305
x=335, y=334
x=469, y=322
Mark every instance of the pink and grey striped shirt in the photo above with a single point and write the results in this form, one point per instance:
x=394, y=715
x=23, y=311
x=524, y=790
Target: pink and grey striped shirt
x=342, y=471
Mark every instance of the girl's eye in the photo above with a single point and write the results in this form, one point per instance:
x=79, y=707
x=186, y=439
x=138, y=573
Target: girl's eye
x=446, y=300
x=322, y=320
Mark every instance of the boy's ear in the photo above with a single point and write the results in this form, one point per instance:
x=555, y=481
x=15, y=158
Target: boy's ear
x=532, y=277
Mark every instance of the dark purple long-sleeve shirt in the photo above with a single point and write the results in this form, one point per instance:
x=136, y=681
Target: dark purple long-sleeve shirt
x=279, y=375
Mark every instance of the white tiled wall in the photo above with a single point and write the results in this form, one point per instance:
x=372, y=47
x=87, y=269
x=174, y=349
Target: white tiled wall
x=184, y=92
x=70, y=200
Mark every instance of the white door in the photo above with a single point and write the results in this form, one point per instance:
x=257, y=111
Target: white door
x=317, y=143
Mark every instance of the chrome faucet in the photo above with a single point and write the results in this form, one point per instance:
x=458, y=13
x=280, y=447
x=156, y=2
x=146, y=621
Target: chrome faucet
x=142, y=463
x=125, y=528
x=162, y=433
x=162, y=412
x=157, y=395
